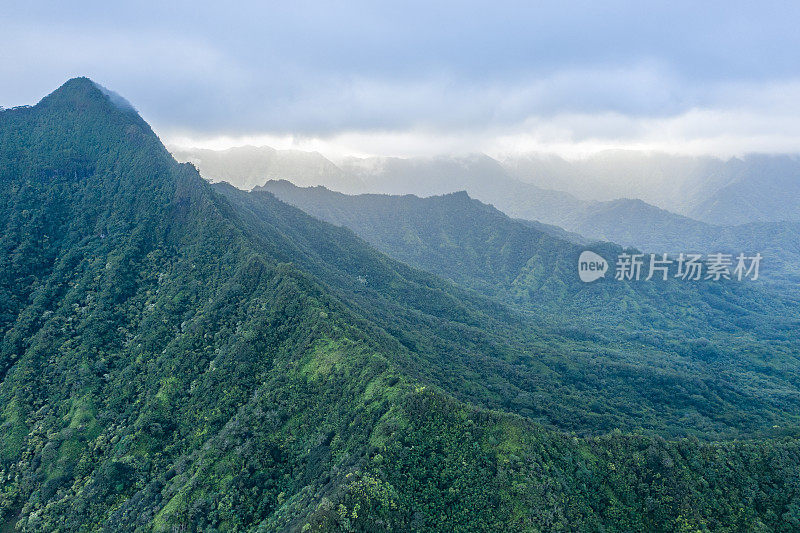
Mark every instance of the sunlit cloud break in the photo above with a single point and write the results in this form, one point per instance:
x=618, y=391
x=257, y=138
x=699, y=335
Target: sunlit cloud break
x=572, y=113
x=368, y=80
x=719, y=132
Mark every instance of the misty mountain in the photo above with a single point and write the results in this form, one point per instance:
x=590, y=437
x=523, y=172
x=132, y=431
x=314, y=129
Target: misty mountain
x=754, y=188
x=627, y=222
x=673, y=183
x=637, y=224
x=547, y=188
x=634, y=223
x=480, y=176
x=248, y=166
x=624, y=221
x=177, y=356
x=474, y=244
x=762, y=189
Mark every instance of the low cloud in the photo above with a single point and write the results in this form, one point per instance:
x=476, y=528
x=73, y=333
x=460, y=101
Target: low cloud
x=421, y=81
x=757, y=121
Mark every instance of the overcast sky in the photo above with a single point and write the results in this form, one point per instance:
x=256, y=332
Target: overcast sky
x=424, y=77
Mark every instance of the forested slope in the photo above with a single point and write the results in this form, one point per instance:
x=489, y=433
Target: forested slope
x=678, y=358
x=535, y=267
x=173, y=357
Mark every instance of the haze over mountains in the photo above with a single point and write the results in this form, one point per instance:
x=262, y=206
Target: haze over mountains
x=627, y=222
x=249, y=166
x=740, y=205
x=755, y=188
x=182, y=356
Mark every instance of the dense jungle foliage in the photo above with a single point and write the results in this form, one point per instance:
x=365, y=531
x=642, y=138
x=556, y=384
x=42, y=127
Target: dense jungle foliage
x=177, y=356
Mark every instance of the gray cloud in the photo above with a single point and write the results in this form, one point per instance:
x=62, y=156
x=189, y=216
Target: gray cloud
x=571, y=72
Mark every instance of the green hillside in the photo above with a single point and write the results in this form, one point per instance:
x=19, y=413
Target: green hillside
x=672, y=358
x=179, y=357
x=533, y=266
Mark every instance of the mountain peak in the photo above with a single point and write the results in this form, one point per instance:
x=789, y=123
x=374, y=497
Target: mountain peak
x=83, y=127
x=81, y=88
x=80, y=83
x=82, y=91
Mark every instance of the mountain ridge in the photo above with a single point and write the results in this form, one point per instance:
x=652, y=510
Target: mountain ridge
x=754, y=188
x=182, y=356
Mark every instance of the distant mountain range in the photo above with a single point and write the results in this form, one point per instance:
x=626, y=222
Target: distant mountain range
x=249, y=166
x=474, y=244
x=638, y=224
x=755, y=188
x=627, y=222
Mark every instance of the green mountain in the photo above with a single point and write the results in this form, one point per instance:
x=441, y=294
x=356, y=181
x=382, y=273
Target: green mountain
x=762, y=188
x=534, y=266
x=636, y=223
x=739, y=190
x=695, y=329
x=521, y=188
x=181, y=357
x=536, y=365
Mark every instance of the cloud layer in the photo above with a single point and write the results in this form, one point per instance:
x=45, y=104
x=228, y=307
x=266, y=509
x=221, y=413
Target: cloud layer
x=719, y=78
